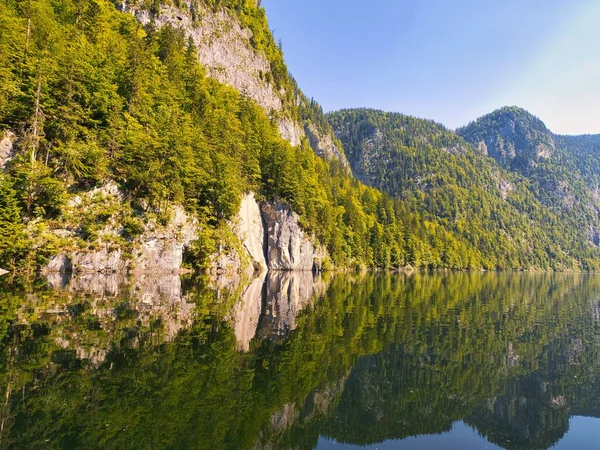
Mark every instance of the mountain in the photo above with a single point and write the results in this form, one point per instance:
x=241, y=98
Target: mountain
x=563, y=172
x=501, y=183
x=147, y=135
x=151, y=136
x=515, y=138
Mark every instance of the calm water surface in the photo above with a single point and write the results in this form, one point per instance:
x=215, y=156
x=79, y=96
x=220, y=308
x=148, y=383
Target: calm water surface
x=441, y=361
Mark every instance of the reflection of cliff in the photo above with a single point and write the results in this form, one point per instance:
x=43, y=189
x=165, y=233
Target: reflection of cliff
x=87, y=311
x=374, y=357
x=270, y=304
x=246, y=312
x=288, y=293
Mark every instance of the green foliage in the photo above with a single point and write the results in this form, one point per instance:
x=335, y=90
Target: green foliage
x=113, y=102
x=561, y=173
x=94, y=98
x=475, y=212
x=374, y=357
x=12, y=238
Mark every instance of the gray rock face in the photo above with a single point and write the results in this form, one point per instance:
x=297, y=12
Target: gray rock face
x=288, y=248
x=99, y=261
x=161, y=249
x=225, y=49
x=290, y=131
x=324, y=145
x=6, y=148
x=251, y=231
x=272, y=237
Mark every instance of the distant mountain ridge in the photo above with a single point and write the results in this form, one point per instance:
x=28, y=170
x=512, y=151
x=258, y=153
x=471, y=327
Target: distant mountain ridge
x=563, y=171
x=504, y=182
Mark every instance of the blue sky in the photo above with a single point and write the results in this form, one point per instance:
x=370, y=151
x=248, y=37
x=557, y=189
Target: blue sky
x=447, y=60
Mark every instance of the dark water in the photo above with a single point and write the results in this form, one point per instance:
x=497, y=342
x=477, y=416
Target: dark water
x=449, y=361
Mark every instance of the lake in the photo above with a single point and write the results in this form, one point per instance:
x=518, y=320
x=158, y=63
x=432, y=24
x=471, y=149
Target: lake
x=296, y=361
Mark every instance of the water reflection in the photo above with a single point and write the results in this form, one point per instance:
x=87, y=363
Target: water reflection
x=294, y=360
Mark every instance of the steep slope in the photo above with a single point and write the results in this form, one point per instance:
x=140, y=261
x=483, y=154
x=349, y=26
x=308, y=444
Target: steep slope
x=125, y=130
x=563, y=171
x=514, y=138
x=444, y=178
x=131, y=131
x=235, y=45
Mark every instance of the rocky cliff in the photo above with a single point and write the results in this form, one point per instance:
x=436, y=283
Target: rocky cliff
x=226, y=48
x=269, y=232
x=157, y=248
x=273, y=239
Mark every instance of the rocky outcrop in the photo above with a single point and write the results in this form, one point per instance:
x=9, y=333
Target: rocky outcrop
x=225, y=48
x=272, y=238
x=103, y=260
x=288, y=248
x=6, y=147
x=250, y=229
x=323, y=145
x=158, y=248
x=270, y=235
x=290, y=131
x=161, y=248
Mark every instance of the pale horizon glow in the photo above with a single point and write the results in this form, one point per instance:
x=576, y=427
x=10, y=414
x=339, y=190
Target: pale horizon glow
x=451, y=62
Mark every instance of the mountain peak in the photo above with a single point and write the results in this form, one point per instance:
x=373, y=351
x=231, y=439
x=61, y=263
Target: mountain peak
x=512, y=136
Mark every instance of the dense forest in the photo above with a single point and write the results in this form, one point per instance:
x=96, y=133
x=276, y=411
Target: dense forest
x=90, y=97
x=516, y=207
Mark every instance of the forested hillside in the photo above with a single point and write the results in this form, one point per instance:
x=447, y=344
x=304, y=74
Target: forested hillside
x=562, y=171
x=113, y=116
x=91, y=97
x=508, y=215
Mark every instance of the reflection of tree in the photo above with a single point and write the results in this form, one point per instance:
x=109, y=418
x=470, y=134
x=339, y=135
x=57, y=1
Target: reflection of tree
x=484, y=359
x=376, y=357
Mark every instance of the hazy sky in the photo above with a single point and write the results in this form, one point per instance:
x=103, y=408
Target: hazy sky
x=447, y=60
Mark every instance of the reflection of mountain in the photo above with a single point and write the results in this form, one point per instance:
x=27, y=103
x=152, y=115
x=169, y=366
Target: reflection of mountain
x=375, y=357
x=518, y=385
x=108, y=305
x=288, y=293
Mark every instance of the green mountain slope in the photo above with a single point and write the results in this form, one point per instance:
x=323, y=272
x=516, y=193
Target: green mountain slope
x=91, y=98
x=563, y=171
x=501, y=212
x=139, y=100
